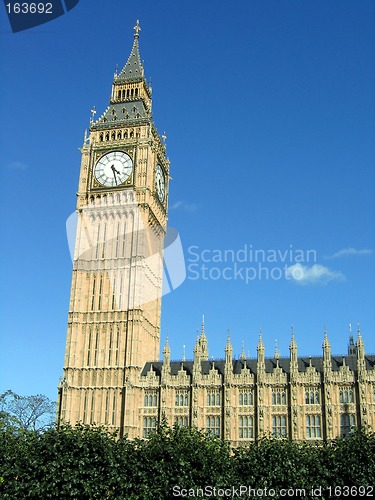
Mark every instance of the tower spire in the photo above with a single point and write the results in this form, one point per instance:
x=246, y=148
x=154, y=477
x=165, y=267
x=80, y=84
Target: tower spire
x=133, y=68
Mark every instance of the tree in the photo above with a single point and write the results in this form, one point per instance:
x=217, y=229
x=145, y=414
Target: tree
x=26, y=412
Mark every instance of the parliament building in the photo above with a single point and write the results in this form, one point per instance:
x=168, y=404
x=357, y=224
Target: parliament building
x=112, y=373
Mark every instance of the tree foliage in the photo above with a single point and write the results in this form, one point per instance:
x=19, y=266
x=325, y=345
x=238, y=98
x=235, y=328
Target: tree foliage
x=90, y=463
x=26, y=412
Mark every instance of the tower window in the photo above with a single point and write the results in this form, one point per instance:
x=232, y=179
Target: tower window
x=107, y=136
x=89, y=349
x=120, y=294
x=118, y=135
x=104, y=235
x=119, y=94
x=85, y=407
x=113, y=136
x=113, y=295
x=92, y=408
x=136, y=92
x=101, y=137
x=114, y=409
x=117, y=346
x=96, y=348
x=106, y=411
x=93, y=295
x=110, y=349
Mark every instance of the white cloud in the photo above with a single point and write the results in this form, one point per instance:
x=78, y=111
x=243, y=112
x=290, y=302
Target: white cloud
x=314, y=275
x=17, y=165
x=188, y=207
x=350, y=251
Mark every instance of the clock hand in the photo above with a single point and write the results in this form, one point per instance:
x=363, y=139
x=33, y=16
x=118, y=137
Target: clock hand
x=114, y=173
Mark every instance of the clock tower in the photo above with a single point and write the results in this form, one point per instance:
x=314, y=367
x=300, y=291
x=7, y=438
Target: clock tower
x=115, y=301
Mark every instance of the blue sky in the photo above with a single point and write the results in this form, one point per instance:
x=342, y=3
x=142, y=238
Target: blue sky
x=268, y=108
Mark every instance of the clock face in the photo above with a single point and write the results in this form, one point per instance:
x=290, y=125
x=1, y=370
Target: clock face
x=160, y=183
x=113, y=169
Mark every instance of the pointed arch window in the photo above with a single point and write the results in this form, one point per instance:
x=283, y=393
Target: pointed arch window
x=278, y=397
x=313, y=429
x=279, y=426
x=347, y=422
x=312, y=397
x=213, y=426
x=149, y=425
x=246, y=427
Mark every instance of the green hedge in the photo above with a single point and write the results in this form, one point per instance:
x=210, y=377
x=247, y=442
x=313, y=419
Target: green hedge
x=90, y=463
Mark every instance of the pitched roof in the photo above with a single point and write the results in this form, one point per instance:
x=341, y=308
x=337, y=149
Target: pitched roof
x=270, y=364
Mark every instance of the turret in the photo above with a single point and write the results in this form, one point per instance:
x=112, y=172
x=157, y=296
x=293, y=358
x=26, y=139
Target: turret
x=293, y=354
x=260, y=352
x=327, y=363
x=228, y=357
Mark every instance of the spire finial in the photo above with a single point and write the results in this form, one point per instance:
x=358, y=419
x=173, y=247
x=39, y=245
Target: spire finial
x=277, y=354
x=243, y=355
x=164, y=137
x=137, y=29
x=93, y=113
x=203, y=334
x=183, y=353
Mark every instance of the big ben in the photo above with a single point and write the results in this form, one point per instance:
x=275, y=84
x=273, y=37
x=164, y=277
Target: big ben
x=115, y=301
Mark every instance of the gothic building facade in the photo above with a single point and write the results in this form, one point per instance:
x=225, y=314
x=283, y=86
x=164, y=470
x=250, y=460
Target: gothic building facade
x=112, y=375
